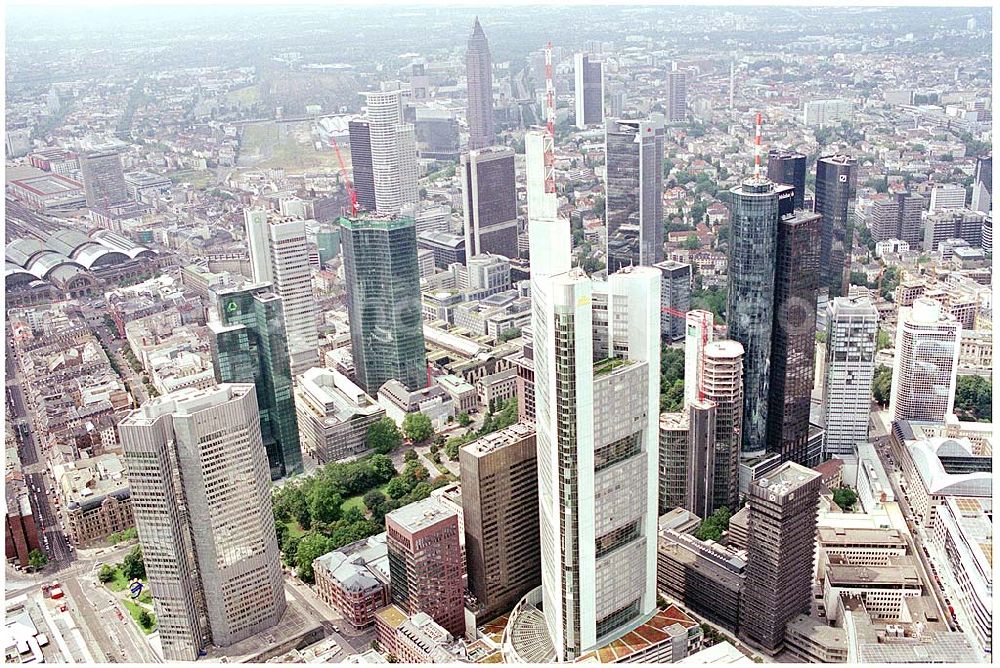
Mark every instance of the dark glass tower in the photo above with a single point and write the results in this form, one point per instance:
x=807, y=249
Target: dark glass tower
x=750, y=310
x=249, y=345
x=634, y=192
x=479, y=74
x=836, y=185
x=489, y=201
x=782, y=538
x=383, y=301
x=793, y=334
x=361, y=163
x=789, y=168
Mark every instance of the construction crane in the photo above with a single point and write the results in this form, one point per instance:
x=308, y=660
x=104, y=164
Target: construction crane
x=347, y=179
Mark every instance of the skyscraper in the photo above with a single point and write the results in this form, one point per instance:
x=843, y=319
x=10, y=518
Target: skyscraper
x=383, y=301
x=385, y=147
x=789, y=168
x=676, y=103
x=926, y=363
x=675, y=293
x=982, y=184
x=500, y=511
x=793, y=335
x=836, y=186
x=209, y=544
x=634, y=192
x=883, y=219
x=697, y=334
x=425, y=562
x=249, y=345
x=722, y=385
x=489, y=202
x=359, y=133
x=852, y=333
x=588, y=91
x=910, y=207
x=103, y=178
x=687, y=459
x=479, y=75
x=782, y=541
x=279, y=255
x=596, y=354
x=750, y=312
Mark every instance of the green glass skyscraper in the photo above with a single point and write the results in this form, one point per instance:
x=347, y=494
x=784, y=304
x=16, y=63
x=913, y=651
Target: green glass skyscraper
x=383, y=301
x=249, y=345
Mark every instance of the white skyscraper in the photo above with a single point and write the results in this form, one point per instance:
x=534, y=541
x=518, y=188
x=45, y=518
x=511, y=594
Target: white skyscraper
x=279, y=255
x=852, y=335
x=201, y=496
x=393, y=152
x=597, y=357
x=947, y=196
x=926, y=363
x=698, y=329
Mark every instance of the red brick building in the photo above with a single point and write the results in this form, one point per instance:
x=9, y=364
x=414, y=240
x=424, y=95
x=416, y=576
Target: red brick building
x=426, y=563
x=22, y=532
x=355, y=579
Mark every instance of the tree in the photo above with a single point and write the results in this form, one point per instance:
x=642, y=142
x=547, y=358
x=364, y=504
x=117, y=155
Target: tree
x=884, y=340
x=145, y=619
x=881, y=385
x=290, y=503
x=289, y=547
x=509, y=334
x=417, y=427
x=451, y=448
x=974, y=398
x=420, y=492
x=691, y=242
x=383, y=468
x=397, y=488
x=463, y=419
x=890, y=280
x=672, y=400
x=713, y=526
x=324, y=501
x=133, y=566
x=384, y=436
x=106, y=574
x=844, y=497
x=415, y=472
x=311, y=546
x=410, y=456
x=375, y=502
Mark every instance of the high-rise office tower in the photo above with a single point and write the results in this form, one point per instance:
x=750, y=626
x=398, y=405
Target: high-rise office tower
x=279, y=255
x=722, y=385
x=754, y=230
x=479, y=75
x=987, y=238
x=634, y=192
x=852, y=333
x=103, y=178
x=675, y=293
x=500, y=511
x=588, y=91
x=489, y=202
x=782, y=542
x=789, y=168
x=793, y=335
x=883, y=219
x=249, y=345
x=910, y=207
x=687, y=459
x=982, y=184
x=383, y=301
x=836, y=188
x=384, y=153
x=201, y=497
x=698, y=330
x=425, y=562
x=596, y=354
x=359, y=134
x=947, y=196
x=676, y=103
x=926, y=362
x=420, y=82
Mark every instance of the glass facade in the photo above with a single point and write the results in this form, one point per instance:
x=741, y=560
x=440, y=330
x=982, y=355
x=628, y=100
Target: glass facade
x=383, y=301
x=789, y=168
x=836, y=185
x=750, y=309
x=634, y=188
x=251, y=347
x=793, y=335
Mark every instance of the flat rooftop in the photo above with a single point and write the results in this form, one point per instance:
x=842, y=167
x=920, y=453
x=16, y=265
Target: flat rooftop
x=48, y=184
x=498, y=439
x=421, y=515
